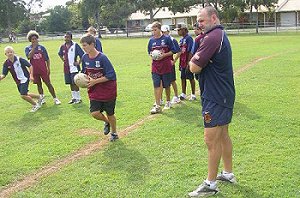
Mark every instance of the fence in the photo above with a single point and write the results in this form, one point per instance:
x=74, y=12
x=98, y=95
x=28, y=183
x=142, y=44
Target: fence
x=230, y=28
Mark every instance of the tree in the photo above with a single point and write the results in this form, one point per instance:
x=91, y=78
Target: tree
x=93, y=8
x=151, y=7
x=256, y=4
x=58, y=21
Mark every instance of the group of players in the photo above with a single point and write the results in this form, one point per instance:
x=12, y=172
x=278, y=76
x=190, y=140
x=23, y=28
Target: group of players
x=163, y=68
x=102, y=87
x=209, y=57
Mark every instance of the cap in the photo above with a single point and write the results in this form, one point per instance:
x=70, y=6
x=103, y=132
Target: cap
x=165, y=28
x=181, y=26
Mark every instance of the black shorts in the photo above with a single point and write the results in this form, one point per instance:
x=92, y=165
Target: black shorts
x=173, y=74
x=23, y=88
x=108, y=106
x=69, y=78
x=165, y=78
x=186, y=74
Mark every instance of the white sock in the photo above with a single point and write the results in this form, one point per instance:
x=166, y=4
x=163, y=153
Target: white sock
x=212, y=184
x=77, y=95
x=73, y=94
x=42, y=96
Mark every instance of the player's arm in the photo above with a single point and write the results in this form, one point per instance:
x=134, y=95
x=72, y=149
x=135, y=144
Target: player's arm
x=48, y=66
x=31, y=52
x=194, y=68
x=4, y=72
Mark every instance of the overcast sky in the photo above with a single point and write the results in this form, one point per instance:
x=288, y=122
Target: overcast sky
x=49, y=4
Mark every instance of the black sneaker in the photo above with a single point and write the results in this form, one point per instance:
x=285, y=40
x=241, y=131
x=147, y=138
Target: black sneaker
x=204, y=190
x=106, y=129
x=113, y=137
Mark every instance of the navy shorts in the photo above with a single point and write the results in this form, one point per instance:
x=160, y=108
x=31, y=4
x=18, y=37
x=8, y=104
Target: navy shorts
x=23, y=88
x=214, y=114
x=173, y=74
x=69, y=78
x=165, y=78
x=108, y=106
x=186, y=74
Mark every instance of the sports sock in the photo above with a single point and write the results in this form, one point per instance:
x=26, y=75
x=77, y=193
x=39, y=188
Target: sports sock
x=212, y=184
x=73, y=94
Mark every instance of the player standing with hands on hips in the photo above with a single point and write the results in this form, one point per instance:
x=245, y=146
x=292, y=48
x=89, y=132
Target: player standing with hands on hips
x=68, y=53
x=39, y=59
x=102, y=88
x=213, y=61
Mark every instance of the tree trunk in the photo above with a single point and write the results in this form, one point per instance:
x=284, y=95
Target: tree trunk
x=256, y=25
x=98, y=24
x=151, y=16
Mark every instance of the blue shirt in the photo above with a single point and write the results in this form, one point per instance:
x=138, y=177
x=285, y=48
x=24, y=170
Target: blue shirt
x=98, y=45
x=98, y=67
x=214, y=56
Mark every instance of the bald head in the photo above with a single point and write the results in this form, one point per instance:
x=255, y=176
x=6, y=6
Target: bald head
x=208, y=18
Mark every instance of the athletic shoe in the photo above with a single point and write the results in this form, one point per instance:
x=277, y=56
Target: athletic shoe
x=182, y=96
x=41, y=101
x=227, y=177
x=77, y=101
x=113, y=137
x=204, y=190
x=193, y=97
x=155, y=109
x=72, y=101
x=35, y=107
x=175, y=100
x=168, y=105
x=56, y=101
x=161, y=103
x=106, y=128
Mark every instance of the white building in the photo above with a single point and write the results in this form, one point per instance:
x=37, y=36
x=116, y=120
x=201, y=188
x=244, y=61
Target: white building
x=288, y=11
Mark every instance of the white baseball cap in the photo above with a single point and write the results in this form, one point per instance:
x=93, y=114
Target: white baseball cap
x=165, y=28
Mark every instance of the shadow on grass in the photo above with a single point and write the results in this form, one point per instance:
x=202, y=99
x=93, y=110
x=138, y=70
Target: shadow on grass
x=130, y=161
x=229, y=190
x=31, y=120
x=187, y=112
x=242, y=110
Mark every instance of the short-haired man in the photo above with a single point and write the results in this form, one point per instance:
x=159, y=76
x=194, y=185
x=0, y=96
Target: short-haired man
x=92, y=31
x=68, y=53
x=102, y=87
x=213, y=61
x=39, y=59
x=161, y=67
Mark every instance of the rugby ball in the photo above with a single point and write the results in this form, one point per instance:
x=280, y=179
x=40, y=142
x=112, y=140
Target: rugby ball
x=81, y=80
x=156, y=54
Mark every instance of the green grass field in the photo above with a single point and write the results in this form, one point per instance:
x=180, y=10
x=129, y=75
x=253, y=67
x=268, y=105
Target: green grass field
x=165, y=156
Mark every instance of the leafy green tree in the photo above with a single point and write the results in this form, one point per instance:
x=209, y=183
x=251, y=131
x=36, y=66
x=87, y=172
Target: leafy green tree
x=59, y=19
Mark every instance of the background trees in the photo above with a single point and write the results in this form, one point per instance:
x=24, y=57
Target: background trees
x=17, y=15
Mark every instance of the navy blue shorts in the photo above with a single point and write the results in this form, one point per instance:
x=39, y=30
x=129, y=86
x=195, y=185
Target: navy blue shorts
x=23, y=88
x=186, y=74
x=69, y=78
x=214, y=114
x=165, y=78
x=108, y=106
x=173, y=74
